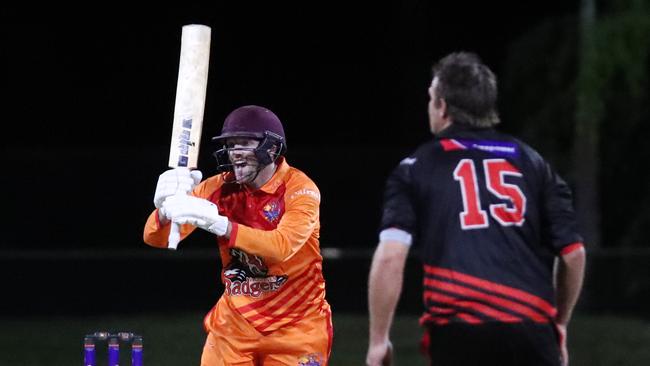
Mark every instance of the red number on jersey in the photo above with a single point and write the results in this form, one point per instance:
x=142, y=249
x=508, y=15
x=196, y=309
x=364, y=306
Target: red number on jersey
x=495, y=171
x=472, y=216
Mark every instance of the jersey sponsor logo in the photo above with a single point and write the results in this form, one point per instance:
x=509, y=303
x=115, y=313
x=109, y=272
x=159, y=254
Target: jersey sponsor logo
x=253, y=287
x=312, y=359
x=303, y=192
x=271, y=211
x=247, y=275
x=500, y=148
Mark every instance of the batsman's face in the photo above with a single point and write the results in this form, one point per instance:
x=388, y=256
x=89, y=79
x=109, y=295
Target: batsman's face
x=242, y=156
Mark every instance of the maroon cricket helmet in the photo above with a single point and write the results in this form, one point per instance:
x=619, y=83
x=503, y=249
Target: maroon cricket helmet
x=252, y=121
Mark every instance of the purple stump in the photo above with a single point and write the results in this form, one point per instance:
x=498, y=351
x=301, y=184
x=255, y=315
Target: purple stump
x=89, y=351
x=113, y=351
x=136, y=351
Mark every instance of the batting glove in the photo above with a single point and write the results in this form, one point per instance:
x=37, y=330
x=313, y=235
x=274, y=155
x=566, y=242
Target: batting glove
x=186, y=209
x=177, y=180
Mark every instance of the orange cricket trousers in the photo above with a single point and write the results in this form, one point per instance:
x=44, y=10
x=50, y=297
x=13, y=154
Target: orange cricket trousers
x=232, y=341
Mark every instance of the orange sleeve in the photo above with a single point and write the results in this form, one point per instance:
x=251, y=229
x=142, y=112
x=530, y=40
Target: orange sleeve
x=300, y=219
x=156, y=235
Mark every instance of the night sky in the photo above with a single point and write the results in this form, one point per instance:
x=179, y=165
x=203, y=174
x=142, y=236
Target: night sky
x=90, y=92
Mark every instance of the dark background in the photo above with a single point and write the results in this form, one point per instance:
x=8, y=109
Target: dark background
x=88, y=104
x=91, y=95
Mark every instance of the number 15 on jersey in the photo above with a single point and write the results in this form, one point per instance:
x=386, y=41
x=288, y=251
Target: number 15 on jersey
x=507, y=214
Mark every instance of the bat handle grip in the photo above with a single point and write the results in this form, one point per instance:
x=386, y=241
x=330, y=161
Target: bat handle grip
x=175, y=232
x=174, y=236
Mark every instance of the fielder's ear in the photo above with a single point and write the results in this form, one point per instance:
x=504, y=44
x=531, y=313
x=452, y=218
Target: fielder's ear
x=442, y=106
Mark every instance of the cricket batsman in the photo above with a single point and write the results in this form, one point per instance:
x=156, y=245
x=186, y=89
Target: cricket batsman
x=264, y=215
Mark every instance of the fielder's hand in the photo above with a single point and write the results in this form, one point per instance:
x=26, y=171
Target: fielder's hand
x=186, y=209
x=564, y=352
x=380, y=355
x=174, y=181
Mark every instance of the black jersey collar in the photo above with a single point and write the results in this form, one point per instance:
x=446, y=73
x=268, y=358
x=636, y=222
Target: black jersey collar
x=459, y=129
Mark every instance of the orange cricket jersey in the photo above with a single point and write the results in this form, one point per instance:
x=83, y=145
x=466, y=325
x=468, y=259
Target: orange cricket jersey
x=272, y=267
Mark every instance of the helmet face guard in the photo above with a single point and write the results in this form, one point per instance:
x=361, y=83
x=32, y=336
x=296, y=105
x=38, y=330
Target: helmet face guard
x=251, y=122
x=262, y=152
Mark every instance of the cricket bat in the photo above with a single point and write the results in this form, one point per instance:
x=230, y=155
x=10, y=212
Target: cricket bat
x=190, y=103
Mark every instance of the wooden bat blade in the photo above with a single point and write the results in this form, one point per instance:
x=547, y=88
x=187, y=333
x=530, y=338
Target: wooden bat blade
x=190, y=103
x=190, y=96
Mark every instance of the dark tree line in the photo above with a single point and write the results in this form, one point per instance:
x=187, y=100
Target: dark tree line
x=577, y=88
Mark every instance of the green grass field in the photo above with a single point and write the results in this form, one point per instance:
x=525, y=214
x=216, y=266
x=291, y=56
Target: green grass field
x=177, y=339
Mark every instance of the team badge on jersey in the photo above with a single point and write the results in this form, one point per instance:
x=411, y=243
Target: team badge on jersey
x=271, y=211
x=312, y=359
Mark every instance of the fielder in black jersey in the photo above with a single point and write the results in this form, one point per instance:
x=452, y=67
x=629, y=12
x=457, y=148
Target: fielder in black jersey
x=488, y=217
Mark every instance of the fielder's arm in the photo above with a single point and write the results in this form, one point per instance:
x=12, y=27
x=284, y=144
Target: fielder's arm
x=384, y=290
x=569, y=279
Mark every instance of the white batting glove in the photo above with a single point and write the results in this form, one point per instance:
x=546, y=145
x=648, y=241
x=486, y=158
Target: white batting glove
x=177, y=180
x=195, y=211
